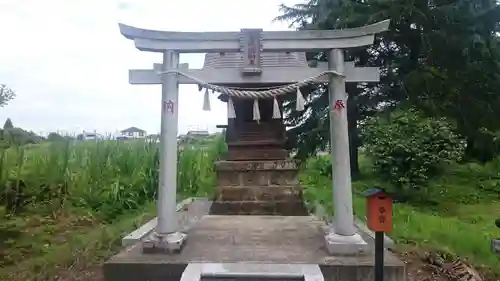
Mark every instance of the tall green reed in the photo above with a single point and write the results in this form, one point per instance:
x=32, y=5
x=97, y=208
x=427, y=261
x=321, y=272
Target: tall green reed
x=102, y=178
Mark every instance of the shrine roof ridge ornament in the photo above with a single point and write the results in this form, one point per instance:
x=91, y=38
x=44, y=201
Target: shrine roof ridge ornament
x=201, y=42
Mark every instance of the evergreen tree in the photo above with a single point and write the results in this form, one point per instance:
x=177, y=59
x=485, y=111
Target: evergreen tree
x=8, y=124
x=441, y=56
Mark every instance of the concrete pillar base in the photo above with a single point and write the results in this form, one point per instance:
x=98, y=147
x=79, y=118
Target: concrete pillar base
x=164, y=243
x=495, y=245
x=345, y=245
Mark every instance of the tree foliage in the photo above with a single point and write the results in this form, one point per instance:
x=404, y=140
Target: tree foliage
x=11, y=135
x=8, y=124
x=53, y=136
x=6, y=95
x=408, y=148
x=440, y=56
x=18, y=136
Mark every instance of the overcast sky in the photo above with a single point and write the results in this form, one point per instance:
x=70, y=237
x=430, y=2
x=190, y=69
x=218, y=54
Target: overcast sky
x=68, y=62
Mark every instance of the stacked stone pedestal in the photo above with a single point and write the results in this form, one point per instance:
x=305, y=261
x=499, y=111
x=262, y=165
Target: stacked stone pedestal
x=258, y=188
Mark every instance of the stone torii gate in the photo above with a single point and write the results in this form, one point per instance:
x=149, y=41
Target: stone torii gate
x=251, y=43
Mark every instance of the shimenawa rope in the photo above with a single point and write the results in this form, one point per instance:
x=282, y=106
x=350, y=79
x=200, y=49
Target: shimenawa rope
x=255, y=93
x=268, y=92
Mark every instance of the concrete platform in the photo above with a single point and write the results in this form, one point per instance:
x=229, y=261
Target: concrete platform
x=250, y=239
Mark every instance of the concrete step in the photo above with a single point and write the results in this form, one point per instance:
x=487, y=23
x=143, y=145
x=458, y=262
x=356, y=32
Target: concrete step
x=255, y=153
x=292, y=240
x=258, y=136
x=251, y=272
x=257, y=165
x=257, y=142
x=263, y=208
x=259, y=193
x=257, y=177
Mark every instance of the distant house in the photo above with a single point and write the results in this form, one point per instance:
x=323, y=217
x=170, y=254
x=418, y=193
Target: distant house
x=153, y=138
x=198, y=134
x=89, y=136
x=192, y=135
x=133, y=133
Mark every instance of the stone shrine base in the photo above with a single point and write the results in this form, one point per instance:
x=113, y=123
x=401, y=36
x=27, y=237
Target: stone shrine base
x=248, y=239
x=265, y=187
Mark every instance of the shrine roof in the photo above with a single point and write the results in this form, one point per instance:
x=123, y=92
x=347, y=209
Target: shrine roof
x=267, y=59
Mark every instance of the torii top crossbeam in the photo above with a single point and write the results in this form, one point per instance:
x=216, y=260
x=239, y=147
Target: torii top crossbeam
x=289, y=41
x=239, y=47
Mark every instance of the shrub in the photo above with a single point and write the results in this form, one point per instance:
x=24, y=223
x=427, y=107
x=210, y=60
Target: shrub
x=408, y=148
x=316, y=177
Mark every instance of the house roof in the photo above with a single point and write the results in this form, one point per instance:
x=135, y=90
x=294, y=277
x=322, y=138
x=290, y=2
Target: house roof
x=132, y=130
x=267, y=60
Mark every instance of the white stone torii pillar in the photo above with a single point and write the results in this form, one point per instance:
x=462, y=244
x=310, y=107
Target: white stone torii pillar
x=342, y=237
x=167, y=191
x=339, y=140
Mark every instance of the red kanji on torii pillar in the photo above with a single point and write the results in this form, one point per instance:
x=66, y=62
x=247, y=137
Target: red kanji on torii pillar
x=339, y=105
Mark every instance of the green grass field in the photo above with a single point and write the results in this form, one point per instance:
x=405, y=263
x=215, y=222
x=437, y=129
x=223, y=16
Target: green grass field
x=457, y=220
x=67, y=205
x=70, y=202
